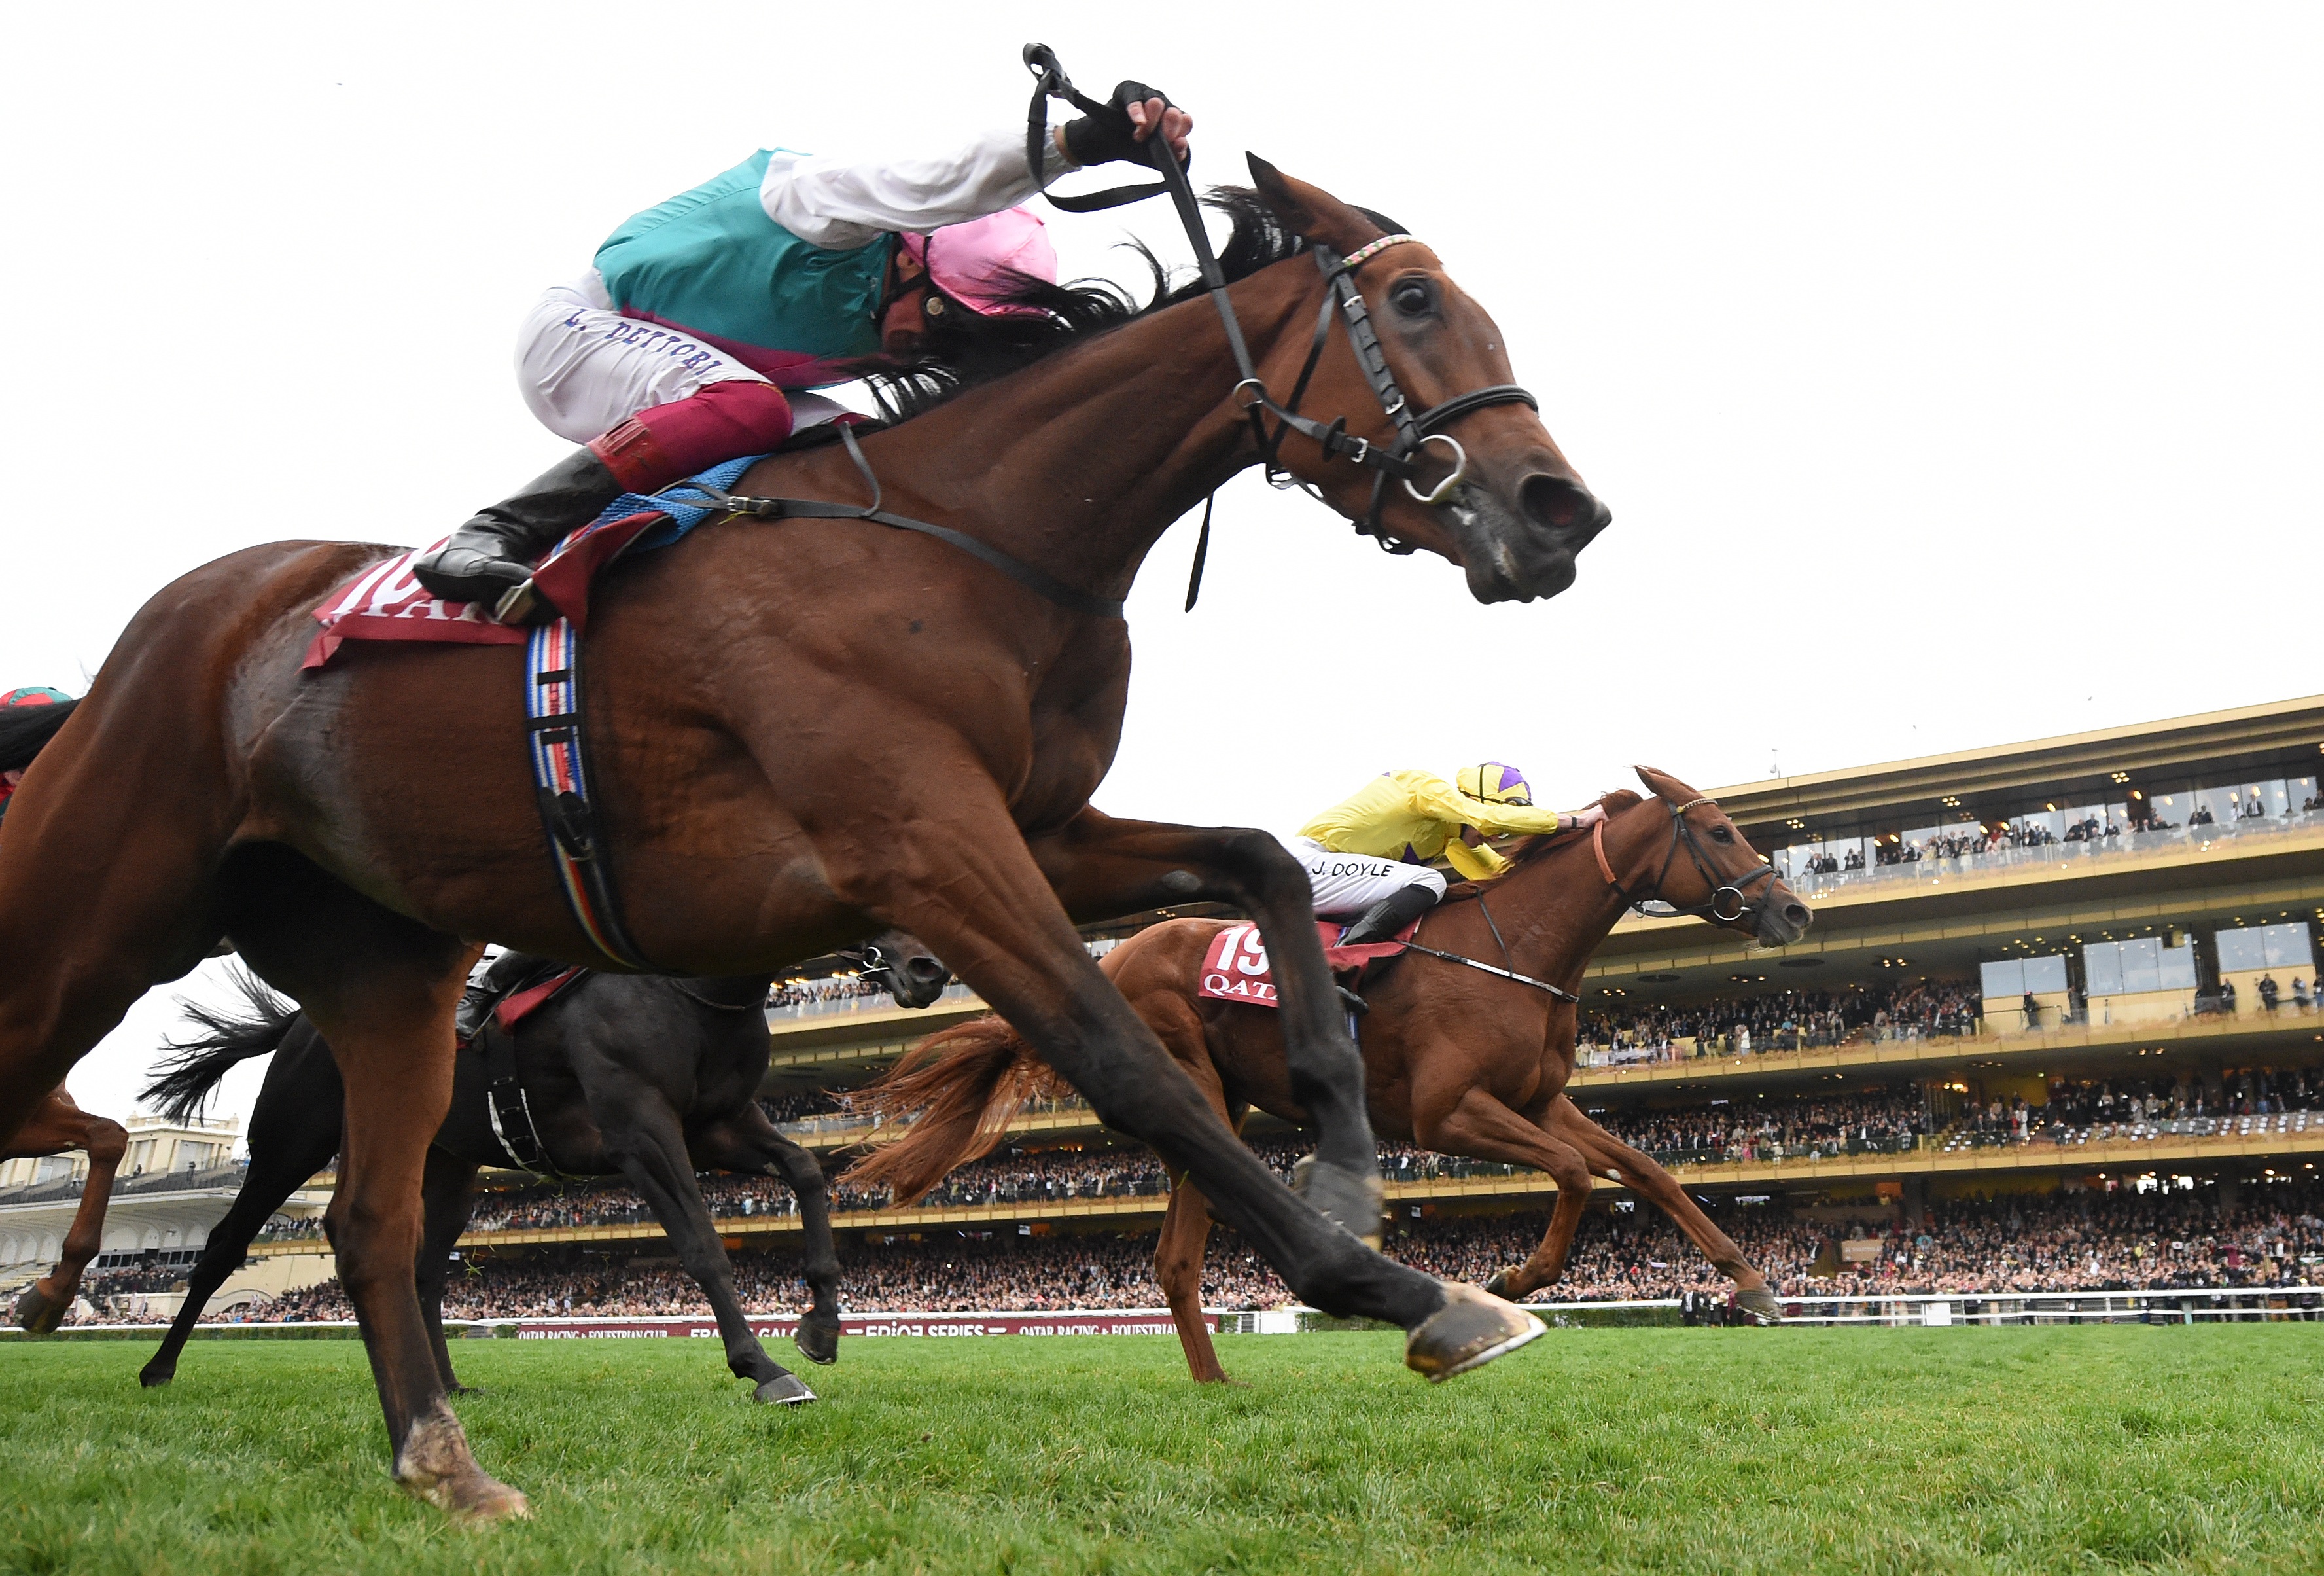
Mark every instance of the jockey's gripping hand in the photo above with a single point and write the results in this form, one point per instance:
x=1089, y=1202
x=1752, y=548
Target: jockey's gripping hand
x=1115, y=134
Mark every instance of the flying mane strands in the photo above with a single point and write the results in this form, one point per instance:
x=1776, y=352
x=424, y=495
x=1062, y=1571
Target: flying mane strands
x=963, y=349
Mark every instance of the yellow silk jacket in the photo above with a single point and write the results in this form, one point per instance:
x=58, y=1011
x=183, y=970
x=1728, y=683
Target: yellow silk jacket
x=1416, y=815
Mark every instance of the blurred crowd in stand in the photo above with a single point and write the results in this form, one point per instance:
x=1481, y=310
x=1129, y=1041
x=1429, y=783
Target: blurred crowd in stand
x=787, y=992
x=2113, y=1110
x=1880, y=1121
x=2068, y=1239
x=1788, y=1020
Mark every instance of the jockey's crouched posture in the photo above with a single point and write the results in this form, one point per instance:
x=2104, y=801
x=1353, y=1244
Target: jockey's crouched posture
x=1368, y=854
x=674, y=352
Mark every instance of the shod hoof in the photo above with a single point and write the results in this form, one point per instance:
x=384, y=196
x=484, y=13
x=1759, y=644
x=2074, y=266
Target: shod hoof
x=817, y=1339
x=38, y=1311
x=1759, y=1306
x=1499, y=1284
x=783, y=1390
x=153, y=1377
x=1469, y=1332
x=1351, y=1201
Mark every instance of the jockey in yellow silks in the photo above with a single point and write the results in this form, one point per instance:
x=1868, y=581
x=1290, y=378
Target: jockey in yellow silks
x=1369, y=853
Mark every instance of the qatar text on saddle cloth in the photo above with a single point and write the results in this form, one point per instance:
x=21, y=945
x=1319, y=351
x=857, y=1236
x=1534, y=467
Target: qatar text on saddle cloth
x=386, y=603
x=1235, y=967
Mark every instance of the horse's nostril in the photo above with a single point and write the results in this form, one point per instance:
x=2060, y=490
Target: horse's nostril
x=1797, y=913
x=1558, y=503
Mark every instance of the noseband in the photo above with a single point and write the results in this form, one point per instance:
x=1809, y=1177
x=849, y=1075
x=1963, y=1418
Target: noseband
x=1415, y=430
x=1713, y=908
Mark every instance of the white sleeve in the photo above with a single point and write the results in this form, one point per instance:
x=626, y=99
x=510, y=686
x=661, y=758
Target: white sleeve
x=843, y=205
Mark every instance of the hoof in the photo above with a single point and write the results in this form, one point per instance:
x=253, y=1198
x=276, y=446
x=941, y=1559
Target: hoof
x=783, y=1390
x=434, y=1465
x=152, y=1375
x=1349, y=1200
x=40, y=1311
x=1469, y=1332
x=1759, y=1306
x=1499, y=1284
x=817, y=1339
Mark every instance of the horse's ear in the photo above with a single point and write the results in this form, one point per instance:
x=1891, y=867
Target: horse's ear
x=1310, y=210
x=1663, y=786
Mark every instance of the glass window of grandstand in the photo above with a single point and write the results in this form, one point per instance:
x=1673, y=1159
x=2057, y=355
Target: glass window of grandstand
x=2265, y=970
x=2025, y=994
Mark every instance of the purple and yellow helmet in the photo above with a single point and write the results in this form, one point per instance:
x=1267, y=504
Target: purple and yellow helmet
x=1495, y=784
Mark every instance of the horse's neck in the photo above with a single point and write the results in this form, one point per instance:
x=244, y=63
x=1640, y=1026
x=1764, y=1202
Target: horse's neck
x=1554, y=911
x=1080, y=462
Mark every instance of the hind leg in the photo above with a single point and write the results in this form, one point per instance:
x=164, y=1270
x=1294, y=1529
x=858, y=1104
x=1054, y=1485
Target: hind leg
x=294, y=1131
x=382, y=989
x=60, y=1125
x=750, y=1143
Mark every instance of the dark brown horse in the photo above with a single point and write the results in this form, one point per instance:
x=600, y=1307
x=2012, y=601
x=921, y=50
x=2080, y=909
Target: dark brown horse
x=59, y=1127
x=804, y=733
x=1454, y=1059
x=629, y=1075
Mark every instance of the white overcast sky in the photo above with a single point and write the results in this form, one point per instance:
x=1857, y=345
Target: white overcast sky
x=1952, y=371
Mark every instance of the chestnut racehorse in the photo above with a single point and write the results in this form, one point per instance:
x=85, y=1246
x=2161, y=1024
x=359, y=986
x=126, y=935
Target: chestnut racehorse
x=57, y=1127
x=1455, y=1060
x=803, y=733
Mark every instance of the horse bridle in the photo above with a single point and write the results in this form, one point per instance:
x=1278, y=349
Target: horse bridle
x=1415, y=430
x=1683, y=835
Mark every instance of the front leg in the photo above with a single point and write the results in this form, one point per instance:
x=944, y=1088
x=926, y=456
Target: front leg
x=1102, y=868
x=1460, y=1118
x=62, y=1126
x=1608, y=1155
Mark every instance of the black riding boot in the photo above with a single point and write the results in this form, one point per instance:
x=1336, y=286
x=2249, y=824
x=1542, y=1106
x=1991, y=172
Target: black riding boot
x=1390, y=915
x=477, y=1002
x=492, y=555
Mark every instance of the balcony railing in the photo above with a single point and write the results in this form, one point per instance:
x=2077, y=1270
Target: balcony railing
x=2240, y=836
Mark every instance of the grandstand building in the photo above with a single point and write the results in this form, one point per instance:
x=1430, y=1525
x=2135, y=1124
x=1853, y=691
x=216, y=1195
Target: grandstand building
x=2042, y=976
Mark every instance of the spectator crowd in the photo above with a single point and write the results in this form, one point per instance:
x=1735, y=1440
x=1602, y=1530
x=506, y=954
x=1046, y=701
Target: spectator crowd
x=2064, y=1240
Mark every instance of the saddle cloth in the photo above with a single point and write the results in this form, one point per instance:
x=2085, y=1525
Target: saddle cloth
x=386, y=603
x=1235, y=967
x=530, y=993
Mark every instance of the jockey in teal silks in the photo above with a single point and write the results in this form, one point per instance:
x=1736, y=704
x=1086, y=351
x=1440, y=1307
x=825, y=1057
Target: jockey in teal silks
x=681, y=347
x=30, y=695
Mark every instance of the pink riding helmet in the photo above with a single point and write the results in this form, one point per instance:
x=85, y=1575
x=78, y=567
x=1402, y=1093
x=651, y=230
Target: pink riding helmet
x=979, y=263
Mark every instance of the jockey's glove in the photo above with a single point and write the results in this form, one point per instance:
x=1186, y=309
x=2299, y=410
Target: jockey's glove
x=1108, y=136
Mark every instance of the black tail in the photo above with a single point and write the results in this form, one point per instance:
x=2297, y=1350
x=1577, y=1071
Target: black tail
x=24, y=730
x=195, y=1066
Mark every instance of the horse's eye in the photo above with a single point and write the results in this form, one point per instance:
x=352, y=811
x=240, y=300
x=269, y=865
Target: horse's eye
x=1721, y=834
x=1413, y=297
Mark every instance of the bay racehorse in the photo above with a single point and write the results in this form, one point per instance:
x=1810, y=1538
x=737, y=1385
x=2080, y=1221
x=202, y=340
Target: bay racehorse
x=803, y=733
x=1455, y=1060
x=648, y=1078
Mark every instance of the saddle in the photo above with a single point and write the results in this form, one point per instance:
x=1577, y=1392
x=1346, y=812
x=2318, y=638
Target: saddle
x=488, y=1028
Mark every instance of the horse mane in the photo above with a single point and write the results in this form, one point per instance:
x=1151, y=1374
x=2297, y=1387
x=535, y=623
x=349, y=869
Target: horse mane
x=966, y=349
x=1525, y=850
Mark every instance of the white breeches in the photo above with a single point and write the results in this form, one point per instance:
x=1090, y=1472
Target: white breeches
x=1349, y=884
x=584, y=369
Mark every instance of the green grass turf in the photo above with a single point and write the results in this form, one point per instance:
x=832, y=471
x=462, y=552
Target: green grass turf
x=1600, y=1450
